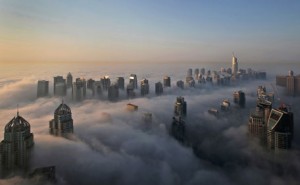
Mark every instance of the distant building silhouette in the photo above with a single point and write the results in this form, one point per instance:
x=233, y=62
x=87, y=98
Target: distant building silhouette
x=167, y=81
x=180, y=84
x=133, y=80
x=180, y=107
x=60, y=86
x=159, y=88
x=113, y=92
x=42, y=88
x=44, y=174
x=69, y=80
x=121, y=83
x=97, y=89
x=105, y=81
x=79, y=89
x=144, y=87
x=16, y=145
x=90, y=84
x=290, y=82
x=234, y=66
x=239, y=98
x=130, y=90
x=62, y=124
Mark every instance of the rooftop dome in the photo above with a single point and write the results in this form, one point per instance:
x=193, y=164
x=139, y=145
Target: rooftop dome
x=62, y=109
x=17, y=124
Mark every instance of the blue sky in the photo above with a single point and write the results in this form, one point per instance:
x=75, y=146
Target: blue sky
x=149, y=30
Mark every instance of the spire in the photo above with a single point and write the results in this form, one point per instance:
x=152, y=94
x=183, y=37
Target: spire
x=233, y=54
x=62, y=101
x=17, y=109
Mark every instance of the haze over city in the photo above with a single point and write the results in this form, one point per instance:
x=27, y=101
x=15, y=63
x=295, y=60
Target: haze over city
x=149, y=92
x=149, y=31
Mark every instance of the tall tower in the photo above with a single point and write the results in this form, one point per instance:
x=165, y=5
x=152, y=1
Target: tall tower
x=62, y=124
x=133, y=80
x=234, y=65
x=60, y=86
x=144, y=87
x=69, y=80
x=167, y=81
x=113, y=92
x=42, y=88
x=15, y=147
x=79, y=89
x=180, y=107
x=280, y=129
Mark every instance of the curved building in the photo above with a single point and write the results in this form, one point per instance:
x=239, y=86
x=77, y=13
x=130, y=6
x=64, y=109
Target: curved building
x=15, y=147
x=62, y=124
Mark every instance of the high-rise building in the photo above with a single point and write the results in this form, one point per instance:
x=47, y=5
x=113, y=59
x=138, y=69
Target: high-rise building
x=202, y=71
x=121, y=82
x=62, y=124
x=113, y=92
x=280, y=129
x=290, y=82
x=133, y=80
x=130, y=91
x=197, y=73
x=16, y=145
x=97, y=89
x=69, y=80
x=180, y=107
x=90, y=84
x=60, y=86
x=234, y=66
x=42, y=88
x=167, y=81
x=159, y=88
x=144, y=87
x=189, y=73
x=105, y=81
x=239, y=98
x=79, y=89
x=178, y=128
x=180, y=84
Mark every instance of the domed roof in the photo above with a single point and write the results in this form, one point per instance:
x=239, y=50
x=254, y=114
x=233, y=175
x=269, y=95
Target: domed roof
x=62, y=109
x=17, y=124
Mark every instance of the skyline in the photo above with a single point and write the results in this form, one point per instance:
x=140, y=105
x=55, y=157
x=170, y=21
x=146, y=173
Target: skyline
x=152, y=31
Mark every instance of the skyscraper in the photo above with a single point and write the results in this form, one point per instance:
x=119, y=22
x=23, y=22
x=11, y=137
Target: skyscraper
x=144, y=87
x=167, y=81
x=97, y=89
x=159, y=88
x=105, y=81
x=133, y=80
x=16, y=145
x=178, y=128
x=113, y=92
x=197, y=73
x=180, y=107
x=69, y=80
x=130, y=91
x=79, y=89
x=60, y=86
x=42, y=88
x=62, y=124
x=189, y=73
x=280, y=129
x=234, y=66
x=239, y=98
x=90, y=84
x=180, y=84
x=121, y=82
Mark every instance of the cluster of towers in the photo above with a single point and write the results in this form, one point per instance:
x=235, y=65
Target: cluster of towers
x=99, y=88
x=273, y=126
x=18, y=140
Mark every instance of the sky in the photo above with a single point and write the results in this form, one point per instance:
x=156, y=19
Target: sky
x=149, y=31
